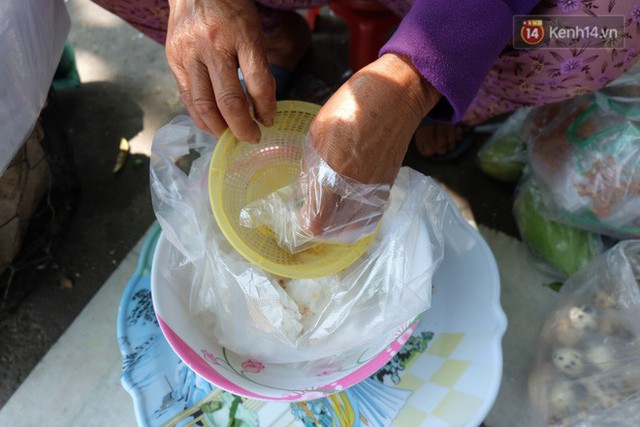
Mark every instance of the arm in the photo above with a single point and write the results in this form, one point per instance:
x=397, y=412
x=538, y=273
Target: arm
x=206, y=42
x=364, y=129
x=434, y=63
x=453, y=45
x=363, y=133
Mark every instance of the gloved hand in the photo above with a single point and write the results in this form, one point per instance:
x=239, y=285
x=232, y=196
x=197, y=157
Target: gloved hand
x=341, y=209
x=356, y=146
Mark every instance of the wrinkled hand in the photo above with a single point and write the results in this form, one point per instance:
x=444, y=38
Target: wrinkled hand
x=206, y=43
x=363, y=133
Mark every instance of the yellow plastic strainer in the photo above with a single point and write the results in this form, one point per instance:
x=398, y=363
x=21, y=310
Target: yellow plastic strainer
x=241, y=173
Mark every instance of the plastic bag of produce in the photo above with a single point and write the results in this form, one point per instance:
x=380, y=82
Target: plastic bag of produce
x=587, y=367
x=564, y=249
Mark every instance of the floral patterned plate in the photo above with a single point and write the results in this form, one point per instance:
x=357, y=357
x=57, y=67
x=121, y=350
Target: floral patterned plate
x=248, y=377
x=446, y=374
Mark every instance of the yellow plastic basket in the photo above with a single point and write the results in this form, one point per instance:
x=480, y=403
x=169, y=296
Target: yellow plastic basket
x=240, y=173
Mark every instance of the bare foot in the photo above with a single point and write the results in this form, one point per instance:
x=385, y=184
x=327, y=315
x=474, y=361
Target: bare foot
x=437, y=139
x=289, y=42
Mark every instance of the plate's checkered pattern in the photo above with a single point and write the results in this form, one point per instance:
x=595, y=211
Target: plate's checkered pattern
x=440, y=394
x=440, y=387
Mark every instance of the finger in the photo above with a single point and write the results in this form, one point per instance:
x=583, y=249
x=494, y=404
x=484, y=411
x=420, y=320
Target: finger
x=333, y=217
x=231, y=100
x=182, y=81
x=319, y=209
x=261, y=87
x=321, y=203
x=203, y=99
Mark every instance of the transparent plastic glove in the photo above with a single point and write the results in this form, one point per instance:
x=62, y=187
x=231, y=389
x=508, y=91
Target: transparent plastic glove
x=360, y=137
x=321, y=206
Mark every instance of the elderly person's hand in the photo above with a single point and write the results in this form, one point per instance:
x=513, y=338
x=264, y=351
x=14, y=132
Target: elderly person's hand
x=356, y=146
x=206, y=43
x=363, y=133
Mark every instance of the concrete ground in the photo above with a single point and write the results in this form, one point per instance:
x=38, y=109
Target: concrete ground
x=128, y=92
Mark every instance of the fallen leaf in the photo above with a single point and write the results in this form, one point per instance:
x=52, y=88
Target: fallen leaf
x=554, y=286
x=138, y=163
x=123, y=153
x=66, y=283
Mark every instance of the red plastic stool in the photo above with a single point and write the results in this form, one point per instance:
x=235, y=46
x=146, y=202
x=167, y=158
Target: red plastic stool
x=312, y=15
x=369, y=23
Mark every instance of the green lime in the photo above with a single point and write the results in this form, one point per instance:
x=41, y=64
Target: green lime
x=503, y=159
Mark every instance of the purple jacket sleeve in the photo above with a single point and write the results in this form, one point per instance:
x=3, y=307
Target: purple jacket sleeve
x=453, y=45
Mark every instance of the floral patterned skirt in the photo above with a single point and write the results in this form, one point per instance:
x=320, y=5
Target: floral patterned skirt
x=518, y=77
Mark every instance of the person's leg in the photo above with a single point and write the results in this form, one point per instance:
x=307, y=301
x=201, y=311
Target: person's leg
x=287, y=34
x=150, y=17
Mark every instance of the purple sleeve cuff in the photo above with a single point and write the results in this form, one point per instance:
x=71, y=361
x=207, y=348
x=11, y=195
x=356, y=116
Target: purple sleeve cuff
x=454, y=44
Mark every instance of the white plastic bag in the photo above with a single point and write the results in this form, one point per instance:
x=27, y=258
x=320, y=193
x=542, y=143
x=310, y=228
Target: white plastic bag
x=587, y=370
x=584, y=154
x=277, y=320
x=32, y=36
